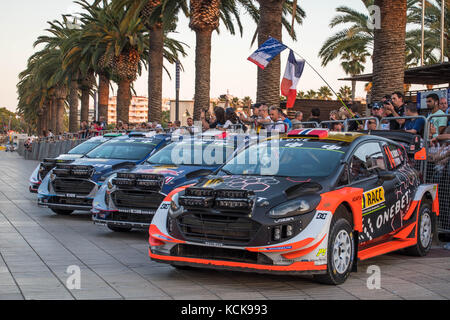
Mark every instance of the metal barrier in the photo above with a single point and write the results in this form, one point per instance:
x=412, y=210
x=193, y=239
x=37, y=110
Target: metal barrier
x=346, y=121
x=437, y=170
x=305, y=124
x=326, y=124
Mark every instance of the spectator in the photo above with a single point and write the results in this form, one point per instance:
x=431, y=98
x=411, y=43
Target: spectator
x=433, y=104
x=337, y=126
x=353, y=114
x=232, y=119
x=177, y=124
x=371, y=124
x=103, y=123
x=315, y=114
x=395, y=107
x=439, y=152
x=119, y=126
x=255, y=114
x=277, y=123
x=298, y=118
x=50, y=134
x=285, y=118
x=417, y=125
x=214, y=122
x=443, y=105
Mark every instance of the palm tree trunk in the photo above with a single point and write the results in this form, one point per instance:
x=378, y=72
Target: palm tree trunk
x=103, y=97
x=44, y=120
x=54, y=119
x=155, y=73
x=74, y=126
x=85, y=104
x=202, y=71
x=123, y=100
x=49, y=116
x=270, y=24
x=389, y=48
x=60, y=110
x=353, y=90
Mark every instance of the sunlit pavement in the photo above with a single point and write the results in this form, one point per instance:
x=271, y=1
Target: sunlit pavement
x=37, y=247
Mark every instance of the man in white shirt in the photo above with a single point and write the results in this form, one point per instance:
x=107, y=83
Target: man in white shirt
x=277, y=122
x=433, y=104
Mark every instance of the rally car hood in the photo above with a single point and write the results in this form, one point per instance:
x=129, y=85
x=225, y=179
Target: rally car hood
x=69, y=156
x=268, y=191
x=103, y=166
x=175, y=175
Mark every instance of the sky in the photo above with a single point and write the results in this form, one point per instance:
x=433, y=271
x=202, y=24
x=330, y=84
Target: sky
x=22, y=21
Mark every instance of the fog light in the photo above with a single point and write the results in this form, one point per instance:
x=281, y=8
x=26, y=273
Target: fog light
x=289, y=231
x=277, y=233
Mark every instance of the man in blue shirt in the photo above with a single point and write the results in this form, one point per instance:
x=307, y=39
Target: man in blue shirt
x=414, y=125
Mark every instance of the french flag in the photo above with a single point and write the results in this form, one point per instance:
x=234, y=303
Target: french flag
x=292, y=74
x=266, y=52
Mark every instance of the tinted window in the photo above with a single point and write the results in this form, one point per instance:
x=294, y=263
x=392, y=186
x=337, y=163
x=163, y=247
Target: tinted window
x=194, y=152
x=366, y=159
x=129, y=149
x=288, y=158
x=87, y=146
x=396, y=155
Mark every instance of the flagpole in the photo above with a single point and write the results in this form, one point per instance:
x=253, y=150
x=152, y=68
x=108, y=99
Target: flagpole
x=343, y=103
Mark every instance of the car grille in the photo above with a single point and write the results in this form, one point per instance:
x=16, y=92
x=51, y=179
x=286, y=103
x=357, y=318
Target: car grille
x=130, y=217
x=73, y=186
x=137, y=199
x=214, y=253
x=221, y=228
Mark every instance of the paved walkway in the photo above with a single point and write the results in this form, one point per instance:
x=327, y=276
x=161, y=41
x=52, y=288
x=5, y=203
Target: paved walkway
x=37, y=248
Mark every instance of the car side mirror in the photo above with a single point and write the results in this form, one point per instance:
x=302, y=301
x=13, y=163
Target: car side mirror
x=386, y=176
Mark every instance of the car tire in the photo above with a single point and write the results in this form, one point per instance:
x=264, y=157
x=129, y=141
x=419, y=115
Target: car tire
x=425, y=232
x=341, y=253
x=62, y=212
x=119, y=229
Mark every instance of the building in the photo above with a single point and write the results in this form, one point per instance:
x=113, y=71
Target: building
x=138, y=110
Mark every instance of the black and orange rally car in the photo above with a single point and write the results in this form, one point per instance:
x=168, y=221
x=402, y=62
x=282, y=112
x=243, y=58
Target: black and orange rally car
x=311, y=202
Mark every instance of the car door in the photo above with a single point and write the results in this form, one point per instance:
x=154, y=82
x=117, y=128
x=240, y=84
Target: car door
x=406, y=183
x=367, y=160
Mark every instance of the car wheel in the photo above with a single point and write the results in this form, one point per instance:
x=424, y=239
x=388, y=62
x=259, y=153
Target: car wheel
x=119, y=229
x=341, y=252
x=62, y=212
x=425, y=232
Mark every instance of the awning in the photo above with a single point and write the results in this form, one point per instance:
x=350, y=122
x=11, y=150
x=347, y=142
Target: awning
x=432, y=74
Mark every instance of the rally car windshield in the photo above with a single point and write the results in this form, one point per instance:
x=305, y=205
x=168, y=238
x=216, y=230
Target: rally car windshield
x=85, y=147
x=194, y=152
x=288, y=158
x=129, y=149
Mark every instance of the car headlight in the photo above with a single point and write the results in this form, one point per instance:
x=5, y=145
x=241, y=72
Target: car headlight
x=294, y=207
x=175, y=207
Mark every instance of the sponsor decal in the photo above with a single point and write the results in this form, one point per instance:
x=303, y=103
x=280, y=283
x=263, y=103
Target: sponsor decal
x=278, y=248
x=212, y=182
x=373, y=200
x=321, y=252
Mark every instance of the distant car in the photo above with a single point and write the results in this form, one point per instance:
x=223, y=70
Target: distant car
x=129, y=199
x=72, y=186
x=333, y=199
x=75, y=153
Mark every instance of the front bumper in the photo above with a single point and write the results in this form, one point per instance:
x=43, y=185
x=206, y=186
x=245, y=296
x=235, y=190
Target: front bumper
x=116, y=218
x=300, y=267
x=60, y=202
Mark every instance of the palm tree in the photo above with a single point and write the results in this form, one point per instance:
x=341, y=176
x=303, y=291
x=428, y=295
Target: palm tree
x=301, y=95
x=310, y=94
x=389, y=48
x=158, y=17
x=273, y=16
x=324, y=93
x=353, y=63
x=345, y=93
x=433, y=10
